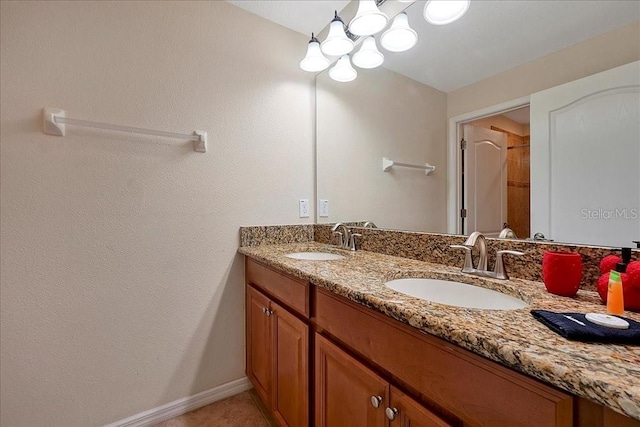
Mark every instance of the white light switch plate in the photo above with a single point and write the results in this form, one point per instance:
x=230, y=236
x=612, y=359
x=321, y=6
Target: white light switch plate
x=304, y=208
x=324, y=208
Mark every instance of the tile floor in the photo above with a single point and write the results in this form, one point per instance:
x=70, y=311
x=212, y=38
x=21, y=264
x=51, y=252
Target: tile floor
x=242, y=410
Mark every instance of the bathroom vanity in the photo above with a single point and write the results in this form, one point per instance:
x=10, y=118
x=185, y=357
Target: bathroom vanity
x=329, y=345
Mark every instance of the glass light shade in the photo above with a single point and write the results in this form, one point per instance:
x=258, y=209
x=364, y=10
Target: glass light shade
x=343, y=71
x=400, y=36
x=368, y=20
x=337, y=42
x=314, y=60
x=368, y=56
x=441, y=12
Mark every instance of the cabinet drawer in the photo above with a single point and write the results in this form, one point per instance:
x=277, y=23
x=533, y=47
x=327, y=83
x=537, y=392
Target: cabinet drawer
x=293, y=293
x=484, y=392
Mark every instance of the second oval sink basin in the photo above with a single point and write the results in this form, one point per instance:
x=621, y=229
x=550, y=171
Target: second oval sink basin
x=456, y=294
x=314, y=256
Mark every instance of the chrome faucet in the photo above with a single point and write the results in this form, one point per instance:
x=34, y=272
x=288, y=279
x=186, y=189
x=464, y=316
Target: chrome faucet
x=343, y=236
x=478, y=237
x=369, y=224
x=346, y=239
x=499, y=271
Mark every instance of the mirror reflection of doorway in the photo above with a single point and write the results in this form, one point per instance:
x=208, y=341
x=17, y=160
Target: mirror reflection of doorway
x=485, y=204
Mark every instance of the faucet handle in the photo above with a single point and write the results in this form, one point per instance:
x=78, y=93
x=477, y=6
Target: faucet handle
x=468, y=261
x=352, y=241
x=499, y=271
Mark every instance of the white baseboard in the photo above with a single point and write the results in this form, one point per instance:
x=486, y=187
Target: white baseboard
x=184, y=405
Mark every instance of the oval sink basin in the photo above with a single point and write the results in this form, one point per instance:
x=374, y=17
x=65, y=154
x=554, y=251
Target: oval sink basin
x=456, y=294
x=314, y=256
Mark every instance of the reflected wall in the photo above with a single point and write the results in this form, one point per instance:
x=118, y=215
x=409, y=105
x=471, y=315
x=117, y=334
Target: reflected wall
x=382, y=114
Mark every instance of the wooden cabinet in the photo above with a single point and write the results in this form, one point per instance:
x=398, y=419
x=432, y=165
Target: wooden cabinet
x=350, y=394
x=371, y=370
x=277, y=360
x=475, y=390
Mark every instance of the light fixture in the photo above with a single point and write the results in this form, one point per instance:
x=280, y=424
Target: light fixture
x=368, y=56
x=368, y=20
x=343, y=71
x=337, y=42
x=314, y=60
x=441, y=12
x=399, y=37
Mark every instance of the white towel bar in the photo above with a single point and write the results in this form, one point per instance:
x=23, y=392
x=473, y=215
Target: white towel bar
x=388, y=164
x=54, y=121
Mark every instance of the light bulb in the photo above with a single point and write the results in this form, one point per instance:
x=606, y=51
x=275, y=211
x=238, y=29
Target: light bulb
x=314, y=60
x=399, y=37
x=368, y=56
x=441, y=12
x=337, y=42
x=368, y=20
x=343, y=71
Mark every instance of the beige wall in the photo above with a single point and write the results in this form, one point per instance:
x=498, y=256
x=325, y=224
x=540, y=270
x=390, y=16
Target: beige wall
x=121, y=286
x=381, y=114
x=600, y=53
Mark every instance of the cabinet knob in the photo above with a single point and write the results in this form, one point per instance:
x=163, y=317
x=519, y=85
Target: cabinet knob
x=268, y=312
x=376, y=401
x=391, y=413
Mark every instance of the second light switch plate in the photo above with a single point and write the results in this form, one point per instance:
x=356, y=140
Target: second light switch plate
x=323, y=209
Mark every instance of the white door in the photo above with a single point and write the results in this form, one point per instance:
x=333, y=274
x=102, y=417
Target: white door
x=485, y=180
x=585, y=159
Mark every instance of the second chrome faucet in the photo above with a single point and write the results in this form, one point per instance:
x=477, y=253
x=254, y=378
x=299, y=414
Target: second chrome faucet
x=477, y=238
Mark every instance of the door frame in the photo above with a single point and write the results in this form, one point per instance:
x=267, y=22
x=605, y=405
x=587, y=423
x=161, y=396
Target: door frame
x=454, y=157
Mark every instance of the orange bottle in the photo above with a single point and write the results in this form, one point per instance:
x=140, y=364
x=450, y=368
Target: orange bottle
x=615, y=299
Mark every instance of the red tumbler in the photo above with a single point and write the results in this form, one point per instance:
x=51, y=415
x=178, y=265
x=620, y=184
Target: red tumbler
x=562, y=272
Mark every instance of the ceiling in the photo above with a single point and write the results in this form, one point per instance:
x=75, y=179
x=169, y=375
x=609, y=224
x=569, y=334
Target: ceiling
x=493, y=37
x=303, y=16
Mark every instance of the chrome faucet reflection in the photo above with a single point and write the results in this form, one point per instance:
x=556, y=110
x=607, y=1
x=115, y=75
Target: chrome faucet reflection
x=477, y=238
x=507, y=233
x=346, y=238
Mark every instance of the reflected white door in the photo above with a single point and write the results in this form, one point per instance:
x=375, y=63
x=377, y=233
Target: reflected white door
x=485, y=180
x=585, y=159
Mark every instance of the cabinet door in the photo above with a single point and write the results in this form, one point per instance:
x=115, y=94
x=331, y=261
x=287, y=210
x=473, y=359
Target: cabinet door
x=406, y=412
x=344, y=390
x=291, y=379
x=259, y=343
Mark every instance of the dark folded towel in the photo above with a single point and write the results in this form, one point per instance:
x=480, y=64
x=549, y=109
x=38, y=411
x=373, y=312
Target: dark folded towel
x=590, y=332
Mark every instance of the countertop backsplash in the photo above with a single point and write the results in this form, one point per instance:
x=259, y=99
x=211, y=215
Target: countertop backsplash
x=434, y=248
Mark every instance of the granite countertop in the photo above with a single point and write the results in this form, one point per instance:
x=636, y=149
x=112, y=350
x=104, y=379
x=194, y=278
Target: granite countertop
x=604, y=373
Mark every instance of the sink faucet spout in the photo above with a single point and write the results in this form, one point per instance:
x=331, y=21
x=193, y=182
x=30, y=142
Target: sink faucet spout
x=344, y=236
x=478, y=238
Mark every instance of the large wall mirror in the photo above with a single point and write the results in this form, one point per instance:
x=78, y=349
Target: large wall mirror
x=517, y=169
